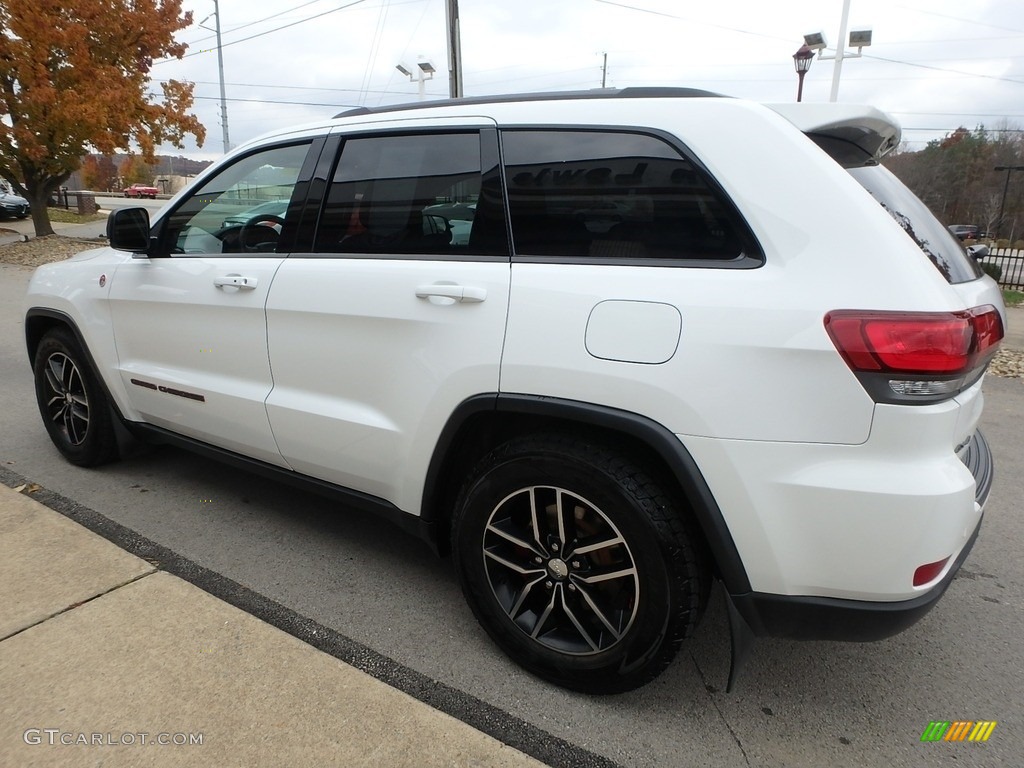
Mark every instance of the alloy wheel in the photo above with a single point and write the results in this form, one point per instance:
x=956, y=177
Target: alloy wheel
x=561, y=570
x=66, y=401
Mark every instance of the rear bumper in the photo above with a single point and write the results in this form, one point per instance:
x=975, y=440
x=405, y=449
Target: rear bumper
x=827, y=618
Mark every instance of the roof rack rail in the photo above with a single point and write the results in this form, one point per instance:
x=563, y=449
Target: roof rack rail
x=641, y=92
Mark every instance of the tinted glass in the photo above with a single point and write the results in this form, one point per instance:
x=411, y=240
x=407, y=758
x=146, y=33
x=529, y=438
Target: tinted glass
x=239, y=210
x=405, y=195
x=937, y=242
x=616, y=196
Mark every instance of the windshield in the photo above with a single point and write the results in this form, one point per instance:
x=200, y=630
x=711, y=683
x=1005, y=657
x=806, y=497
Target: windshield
x=938, y=243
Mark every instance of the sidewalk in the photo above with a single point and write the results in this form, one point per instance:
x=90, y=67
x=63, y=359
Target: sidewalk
x=21, y=228
x=103, y=657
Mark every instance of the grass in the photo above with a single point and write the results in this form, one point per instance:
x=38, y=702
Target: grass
x=62, y=216
x=1012, y=298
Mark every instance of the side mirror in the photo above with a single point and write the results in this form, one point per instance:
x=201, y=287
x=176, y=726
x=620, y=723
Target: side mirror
x=977, y=252
x=128, y=229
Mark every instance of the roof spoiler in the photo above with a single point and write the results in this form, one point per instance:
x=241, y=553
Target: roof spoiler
x=851, y=133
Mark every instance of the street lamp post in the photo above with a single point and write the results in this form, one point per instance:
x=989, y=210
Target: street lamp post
x=1006, y=187
x=802, y=63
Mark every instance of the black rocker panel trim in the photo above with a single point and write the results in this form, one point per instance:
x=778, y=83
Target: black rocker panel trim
x=363, y=502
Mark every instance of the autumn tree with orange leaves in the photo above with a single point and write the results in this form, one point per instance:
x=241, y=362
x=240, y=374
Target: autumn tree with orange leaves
x=74, y=77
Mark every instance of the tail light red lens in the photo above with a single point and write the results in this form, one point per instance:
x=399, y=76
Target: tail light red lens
x=916, y=357
x=918, y=343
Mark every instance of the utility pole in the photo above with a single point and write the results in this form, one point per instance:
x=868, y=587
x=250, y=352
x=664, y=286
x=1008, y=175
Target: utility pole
x=604, y=70
x=220, y=67
x=223, y=95
x=454, y=50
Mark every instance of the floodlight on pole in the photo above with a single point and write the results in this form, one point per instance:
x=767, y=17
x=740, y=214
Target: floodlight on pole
x=424, y=71
x=859, y=39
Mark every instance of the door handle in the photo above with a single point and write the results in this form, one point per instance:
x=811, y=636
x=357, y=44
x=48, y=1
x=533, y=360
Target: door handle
x=235, y=281
x=464, y=294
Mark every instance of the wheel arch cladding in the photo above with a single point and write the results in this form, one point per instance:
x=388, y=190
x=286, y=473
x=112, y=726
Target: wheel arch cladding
x=484, y=421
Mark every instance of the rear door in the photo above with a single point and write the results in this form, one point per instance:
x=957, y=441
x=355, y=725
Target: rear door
x=394, y=315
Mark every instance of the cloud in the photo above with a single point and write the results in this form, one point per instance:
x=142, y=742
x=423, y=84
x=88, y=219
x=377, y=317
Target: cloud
x=934, y=64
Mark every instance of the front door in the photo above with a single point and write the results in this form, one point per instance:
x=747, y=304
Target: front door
x=190, y=321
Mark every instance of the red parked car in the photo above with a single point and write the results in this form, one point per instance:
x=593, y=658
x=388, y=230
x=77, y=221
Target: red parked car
x=142, y=190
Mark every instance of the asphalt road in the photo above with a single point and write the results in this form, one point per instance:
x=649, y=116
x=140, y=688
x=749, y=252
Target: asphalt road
x=797, y=704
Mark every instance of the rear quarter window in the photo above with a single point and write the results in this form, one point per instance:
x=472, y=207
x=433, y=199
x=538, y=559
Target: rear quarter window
x=921, y=226
x=601, y=196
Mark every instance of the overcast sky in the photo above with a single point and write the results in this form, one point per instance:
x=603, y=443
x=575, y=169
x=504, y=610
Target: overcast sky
x=933, y=64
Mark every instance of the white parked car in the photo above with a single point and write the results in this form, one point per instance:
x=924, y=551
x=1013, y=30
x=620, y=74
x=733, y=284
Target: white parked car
x=760, y=363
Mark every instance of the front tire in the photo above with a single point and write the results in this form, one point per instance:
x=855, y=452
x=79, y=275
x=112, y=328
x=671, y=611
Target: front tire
x=577, y=563
x=72, y=402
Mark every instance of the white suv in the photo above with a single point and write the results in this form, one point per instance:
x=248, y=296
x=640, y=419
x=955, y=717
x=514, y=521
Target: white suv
x=673, y=337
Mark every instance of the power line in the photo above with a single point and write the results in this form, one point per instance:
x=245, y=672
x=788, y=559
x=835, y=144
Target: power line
x=692, y=21
x=950, y=130
x=332, y=104
x=269, y=31
x=956, y=18
x=253, y=23
x=944, y=69
x=962, y=114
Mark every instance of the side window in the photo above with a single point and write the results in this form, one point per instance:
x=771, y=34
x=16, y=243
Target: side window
x=416, y=194
x=615, y=196
x=239, y=210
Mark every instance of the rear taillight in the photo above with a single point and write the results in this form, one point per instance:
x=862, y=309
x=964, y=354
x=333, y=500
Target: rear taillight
x=916, y=356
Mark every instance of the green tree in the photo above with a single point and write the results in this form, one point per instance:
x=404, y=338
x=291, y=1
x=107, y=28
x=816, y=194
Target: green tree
x=75, y=76
x=954, y=176
x=107, y=174
x=90, y=172
x=135, y=170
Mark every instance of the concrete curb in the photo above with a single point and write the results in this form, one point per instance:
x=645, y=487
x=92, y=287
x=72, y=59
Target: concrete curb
x=99, y=647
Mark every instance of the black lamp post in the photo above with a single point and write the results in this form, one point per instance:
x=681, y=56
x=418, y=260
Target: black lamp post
x=1006, y=187
x=802, y=62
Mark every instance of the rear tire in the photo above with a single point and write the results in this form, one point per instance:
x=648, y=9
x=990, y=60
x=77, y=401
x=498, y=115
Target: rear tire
x=72, y=403
x=577, y=563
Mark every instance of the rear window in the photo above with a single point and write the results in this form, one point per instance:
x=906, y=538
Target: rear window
x=937, y=242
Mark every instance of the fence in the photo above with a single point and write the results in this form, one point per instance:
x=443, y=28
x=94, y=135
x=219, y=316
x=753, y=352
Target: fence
x=1011, y=266
x=83, y=202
